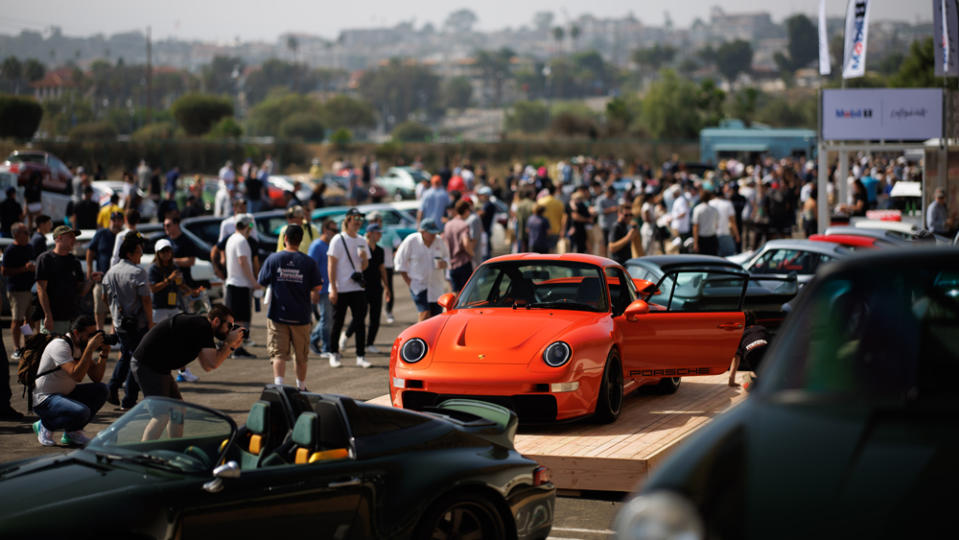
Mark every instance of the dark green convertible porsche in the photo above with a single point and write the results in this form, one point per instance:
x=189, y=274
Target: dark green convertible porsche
x=305, y=465
x=852, y=430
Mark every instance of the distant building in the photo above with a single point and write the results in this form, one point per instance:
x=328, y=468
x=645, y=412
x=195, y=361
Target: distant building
x=55, y=84
x=732, y=139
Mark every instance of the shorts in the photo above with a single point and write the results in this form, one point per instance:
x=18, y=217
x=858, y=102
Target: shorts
x=422, y=304
x=20, y=304
x=153, y=382
x=238, y=300
x=284, y=339
x=100, y=305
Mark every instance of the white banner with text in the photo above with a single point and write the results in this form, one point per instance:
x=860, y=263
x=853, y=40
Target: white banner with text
x=877, y=114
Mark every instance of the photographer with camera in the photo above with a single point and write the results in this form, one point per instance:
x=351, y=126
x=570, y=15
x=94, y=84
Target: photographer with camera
x=623, y=236
x=348, y=257
x=294, y=283
x=61, y=402
x=126, y=286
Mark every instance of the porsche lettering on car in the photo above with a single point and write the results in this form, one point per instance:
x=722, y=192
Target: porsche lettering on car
x=559, y=337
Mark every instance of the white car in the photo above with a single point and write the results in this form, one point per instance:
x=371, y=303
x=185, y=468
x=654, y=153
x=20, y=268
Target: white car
x=103, y=189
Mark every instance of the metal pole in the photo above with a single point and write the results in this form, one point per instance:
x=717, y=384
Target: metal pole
x=823, y=210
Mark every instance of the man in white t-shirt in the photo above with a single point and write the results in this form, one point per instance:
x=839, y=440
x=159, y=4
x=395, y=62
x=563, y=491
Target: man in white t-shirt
x=726, y=233
x=679, y=215
x=347, y=257
x=705, y=226
x=422, y=260
x=240, y=280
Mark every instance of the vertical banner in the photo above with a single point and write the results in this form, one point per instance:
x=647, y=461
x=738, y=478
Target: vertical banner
x=824, y=67
x=945, y=24
x=857, y=31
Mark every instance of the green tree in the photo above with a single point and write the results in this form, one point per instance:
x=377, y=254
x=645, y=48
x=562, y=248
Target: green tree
x=733, y=58
x=793, y=110
x=399, y=90
x=33, y=70
x=669, y=108
x=264, y=119
x=101, y=130
x=528, y=116
x=410, y=131
x=457, y=93
x=197, y=113
x=342, y=111
x=226, y=128
x=341, y=139
x=743, y=104
x=918, y=68
x=654, y=58
x=156, y=131
x=220, y=76
x=710, y=100
x=620, y=114
x=494, y=67
x=19, y=117
x=574, y=121
x=802, y=34
x=460, y=21
x=308, y=127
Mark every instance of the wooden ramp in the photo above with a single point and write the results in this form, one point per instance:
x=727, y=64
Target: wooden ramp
x=618, y=456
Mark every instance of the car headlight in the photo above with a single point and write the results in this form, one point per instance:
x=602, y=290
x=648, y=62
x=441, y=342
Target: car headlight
x=659, y=516
x=557, y=354
x=413, y=350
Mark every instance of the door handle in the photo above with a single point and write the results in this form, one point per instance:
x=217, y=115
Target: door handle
x=355, y=481
x=730, y=326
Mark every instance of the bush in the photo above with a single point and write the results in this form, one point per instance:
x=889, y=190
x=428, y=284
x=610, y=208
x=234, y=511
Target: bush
x=103, y=130
x=412, y=132
x=265, y=118
x=153, y=132
x=528, y=116
x=19, y=117
x=341, y=138
x=308, y=127
x=197, y=113
x=226, y=128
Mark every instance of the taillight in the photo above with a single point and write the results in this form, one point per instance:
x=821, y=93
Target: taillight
x=14, y=168
x=541, y=476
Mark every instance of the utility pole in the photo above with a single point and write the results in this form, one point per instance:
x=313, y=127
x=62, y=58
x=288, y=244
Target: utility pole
x=149, y=116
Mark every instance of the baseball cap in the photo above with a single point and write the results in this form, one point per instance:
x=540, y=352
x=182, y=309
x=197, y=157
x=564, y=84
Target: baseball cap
x=245, y=219
x=162, y=244
x=430, y=226
x=485, y=190
x=62, y=230
x=374, y=227
x=353, y=212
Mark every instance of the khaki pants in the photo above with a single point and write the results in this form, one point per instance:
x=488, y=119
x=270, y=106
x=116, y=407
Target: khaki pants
x=284, y=339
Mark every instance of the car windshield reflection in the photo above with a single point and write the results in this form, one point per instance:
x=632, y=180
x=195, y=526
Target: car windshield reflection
x=539, y=284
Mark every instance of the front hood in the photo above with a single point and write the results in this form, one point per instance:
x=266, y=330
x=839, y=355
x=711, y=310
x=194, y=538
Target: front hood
x=502, y=335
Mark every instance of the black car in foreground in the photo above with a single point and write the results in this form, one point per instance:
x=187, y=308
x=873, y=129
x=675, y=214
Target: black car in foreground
x=304, y=465
x=852, y=430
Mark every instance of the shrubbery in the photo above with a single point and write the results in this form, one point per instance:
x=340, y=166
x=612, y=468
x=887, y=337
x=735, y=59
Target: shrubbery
x=198, y=113
x=19, y=117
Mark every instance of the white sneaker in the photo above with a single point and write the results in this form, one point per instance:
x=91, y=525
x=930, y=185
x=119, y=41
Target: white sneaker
x=188, y=375
x=343, y=340
x=361, y=362
x=390, y=319
x=335, y=360
x=372, y=349
x=43, y=434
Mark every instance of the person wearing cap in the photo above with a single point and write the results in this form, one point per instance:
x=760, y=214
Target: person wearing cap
x=240, y=279
x=83, y=213
x=19, y=271
x=99, y=255
x=168, y=288
x=389, y=241
x=422, y=260
x=348, y=257
x=103, y=218
x=294, y=282
x=375, y=276
x=61, y=282
x=434, y=202
x=296, y=215
x=131, y=307
x=11, y=211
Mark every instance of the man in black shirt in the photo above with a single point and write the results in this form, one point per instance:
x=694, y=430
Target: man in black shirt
x=61, y=283
x=174, y=343
x=83, y=214
x=622, y=235
x=39, y=238
x=185, y=251
x=19, y=270
x=10, y=212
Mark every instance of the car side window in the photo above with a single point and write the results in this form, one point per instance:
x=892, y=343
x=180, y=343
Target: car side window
x=621, y=292
x=701, y=291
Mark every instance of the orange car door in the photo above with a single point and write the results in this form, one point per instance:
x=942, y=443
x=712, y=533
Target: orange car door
x=699, y=332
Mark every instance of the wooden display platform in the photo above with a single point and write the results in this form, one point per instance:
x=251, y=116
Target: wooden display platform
x=618, y=456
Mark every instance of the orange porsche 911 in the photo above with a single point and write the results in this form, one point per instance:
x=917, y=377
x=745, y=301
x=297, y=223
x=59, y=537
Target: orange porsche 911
x=558, y=337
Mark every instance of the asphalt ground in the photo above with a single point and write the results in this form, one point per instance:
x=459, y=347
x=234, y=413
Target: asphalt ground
x=234, y=386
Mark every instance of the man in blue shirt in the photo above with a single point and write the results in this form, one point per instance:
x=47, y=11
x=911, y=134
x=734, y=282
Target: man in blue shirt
x=434, y=203
x=318, y=250
x=294, y=280
x=100, y=250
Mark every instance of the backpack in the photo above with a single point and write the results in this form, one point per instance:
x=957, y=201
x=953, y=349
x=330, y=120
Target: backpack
x=30, y=362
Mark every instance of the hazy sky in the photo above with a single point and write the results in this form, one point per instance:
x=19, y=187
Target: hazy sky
x=224, y=20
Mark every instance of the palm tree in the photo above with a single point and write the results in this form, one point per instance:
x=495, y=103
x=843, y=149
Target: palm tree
x=558, y=35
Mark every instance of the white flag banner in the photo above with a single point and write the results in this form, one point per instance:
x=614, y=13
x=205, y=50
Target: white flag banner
x=824, y=67
x=857, y=32
x=945, y=24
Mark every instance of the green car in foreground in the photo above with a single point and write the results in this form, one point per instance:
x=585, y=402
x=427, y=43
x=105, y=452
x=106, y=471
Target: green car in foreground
x=307, y=465
x=852, y=430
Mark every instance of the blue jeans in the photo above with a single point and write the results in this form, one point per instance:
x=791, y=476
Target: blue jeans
x=74, y=411
x=122, y=374
x=321, y=332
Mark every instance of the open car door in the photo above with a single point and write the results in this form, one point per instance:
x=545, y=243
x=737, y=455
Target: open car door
x=699, y=330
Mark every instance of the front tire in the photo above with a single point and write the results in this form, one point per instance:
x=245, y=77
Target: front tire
x=464, y=515
x=609, y=402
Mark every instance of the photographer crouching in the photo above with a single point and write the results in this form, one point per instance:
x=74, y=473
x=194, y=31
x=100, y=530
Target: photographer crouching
x=176, y=342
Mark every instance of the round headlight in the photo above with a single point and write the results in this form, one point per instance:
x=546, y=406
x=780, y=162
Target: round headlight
x=659, y=515
x=413, y=350
x=557, y=354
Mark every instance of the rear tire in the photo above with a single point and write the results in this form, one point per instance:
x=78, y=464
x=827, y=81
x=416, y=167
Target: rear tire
x=463, y=515
x=609, y=402
x=668, y=385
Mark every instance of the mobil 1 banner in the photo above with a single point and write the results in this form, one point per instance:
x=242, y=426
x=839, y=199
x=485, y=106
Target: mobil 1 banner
x=882, y=114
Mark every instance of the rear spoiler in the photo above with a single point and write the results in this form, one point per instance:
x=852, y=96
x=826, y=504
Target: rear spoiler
x=492, y=422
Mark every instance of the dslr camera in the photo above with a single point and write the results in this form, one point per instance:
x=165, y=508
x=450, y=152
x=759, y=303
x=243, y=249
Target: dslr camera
x=108, y=339
x=244, y=331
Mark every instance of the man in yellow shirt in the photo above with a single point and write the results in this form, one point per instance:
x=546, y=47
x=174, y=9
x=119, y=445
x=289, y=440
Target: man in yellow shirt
x=103, y=218
x=553, y=212
x=296, y=215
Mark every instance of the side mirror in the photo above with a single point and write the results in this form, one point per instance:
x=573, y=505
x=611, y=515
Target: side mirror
x=635, y=309
x=645, y=287
x=446, y=301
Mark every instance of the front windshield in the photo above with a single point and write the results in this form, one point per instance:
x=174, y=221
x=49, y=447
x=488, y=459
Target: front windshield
x=536, y=284
x=167, y=433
